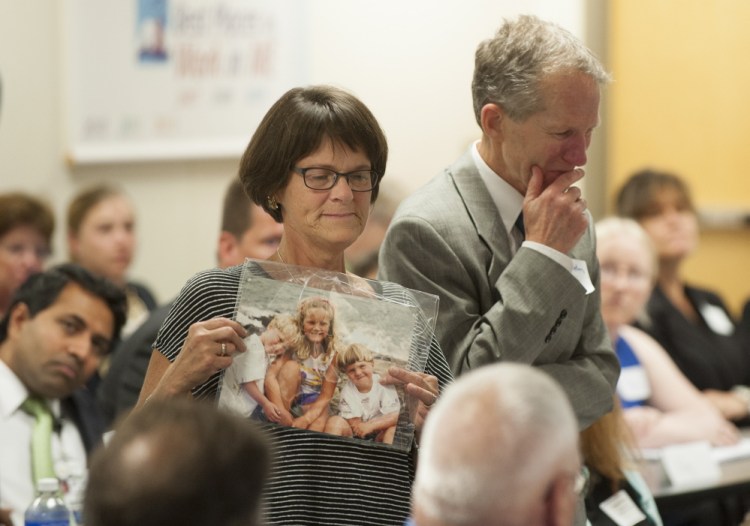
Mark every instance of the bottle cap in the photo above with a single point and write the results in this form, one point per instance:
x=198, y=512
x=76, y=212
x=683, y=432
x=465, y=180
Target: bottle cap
x=48, y=484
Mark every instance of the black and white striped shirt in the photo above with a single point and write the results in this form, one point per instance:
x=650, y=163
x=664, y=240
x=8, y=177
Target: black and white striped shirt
x=317, y=478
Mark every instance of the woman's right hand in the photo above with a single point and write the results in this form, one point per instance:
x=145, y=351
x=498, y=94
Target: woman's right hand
x=208, y=348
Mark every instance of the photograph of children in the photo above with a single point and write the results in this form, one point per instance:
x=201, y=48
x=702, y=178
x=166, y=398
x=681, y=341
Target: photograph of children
x=244, y=389
x=367, y=409
x=307, y=383
x=315, y=359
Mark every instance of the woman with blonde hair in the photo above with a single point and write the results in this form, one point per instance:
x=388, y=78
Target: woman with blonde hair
x=308, y=382
x=102, y=239
x=608, y=452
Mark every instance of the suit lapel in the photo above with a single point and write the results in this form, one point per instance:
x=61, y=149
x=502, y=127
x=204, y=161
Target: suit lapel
x=482, y=212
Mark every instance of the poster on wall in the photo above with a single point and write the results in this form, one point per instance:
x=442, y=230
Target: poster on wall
x=175, y=79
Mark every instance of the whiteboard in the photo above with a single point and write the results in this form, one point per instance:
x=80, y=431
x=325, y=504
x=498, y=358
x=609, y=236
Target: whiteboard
x=175, y=79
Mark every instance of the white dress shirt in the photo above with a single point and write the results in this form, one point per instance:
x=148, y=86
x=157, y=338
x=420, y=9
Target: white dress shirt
x=509, y=203
x=68, y=452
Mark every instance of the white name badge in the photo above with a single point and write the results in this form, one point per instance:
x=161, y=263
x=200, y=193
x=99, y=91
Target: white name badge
x=717, y=320
x=580, y=271
x=622, y=510
x=633, y=385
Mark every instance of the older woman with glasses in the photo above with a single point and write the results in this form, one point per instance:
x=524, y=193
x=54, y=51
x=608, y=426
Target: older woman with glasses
x=26, y=226
x=315, y=164
x=692, y=323
x=661, y=406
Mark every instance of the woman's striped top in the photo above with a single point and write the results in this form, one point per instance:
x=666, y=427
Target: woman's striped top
x=317, y=478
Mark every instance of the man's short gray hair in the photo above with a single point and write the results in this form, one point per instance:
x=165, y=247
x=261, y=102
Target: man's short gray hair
x=494, y=438
x=508, y=67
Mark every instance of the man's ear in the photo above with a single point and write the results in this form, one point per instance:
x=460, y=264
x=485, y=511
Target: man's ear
x=561, y=501
x=228, y=249
x=17, y=317
x=491, y=117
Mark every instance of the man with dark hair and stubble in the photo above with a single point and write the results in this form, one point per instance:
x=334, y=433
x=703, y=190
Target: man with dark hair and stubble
x=59, y=326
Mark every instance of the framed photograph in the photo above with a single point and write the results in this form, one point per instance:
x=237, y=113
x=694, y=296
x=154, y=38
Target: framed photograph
x=319, y=347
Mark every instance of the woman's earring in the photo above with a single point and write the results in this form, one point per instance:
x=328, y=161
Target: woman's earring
x=272, y=204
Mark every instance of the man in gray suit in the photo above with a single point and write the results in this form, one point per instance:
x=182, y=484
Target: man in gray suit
x=513, y=287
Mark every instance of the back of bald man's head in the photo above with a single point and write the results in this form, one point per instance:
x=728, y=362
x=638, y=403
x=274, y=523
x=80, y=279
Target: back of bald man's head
x=492, y=444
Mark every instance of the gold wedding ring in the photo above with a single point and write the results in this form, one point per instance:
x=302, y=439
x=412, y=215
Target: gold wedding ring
x=223, y=349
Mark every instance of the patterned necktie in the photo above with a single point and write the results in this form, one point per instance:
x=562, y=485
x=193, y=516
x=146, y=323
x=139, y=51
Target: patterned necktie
x=41, y=438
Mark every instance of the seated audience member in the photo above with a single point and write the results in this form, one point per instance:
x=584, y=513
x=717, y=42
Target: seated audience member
x=661, y=406
x=745, y=325
x=178, y=462
x=607, y=448
x=691, y=323
x=26, y=226
x=247, y=231
x=499, y=448
x=59, y=325
x=101, y=238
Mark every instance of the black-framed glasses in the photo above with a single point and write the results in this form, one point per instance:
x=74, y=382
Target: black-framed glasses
x=20, y=249
x=324, y=179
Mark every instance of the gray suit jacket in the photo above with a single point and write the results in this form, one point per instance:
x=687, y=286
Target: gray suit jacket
x=448, y=239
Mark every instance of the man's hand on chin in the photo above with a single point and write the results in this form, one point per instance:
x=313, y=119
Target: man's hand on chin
x=554, y=216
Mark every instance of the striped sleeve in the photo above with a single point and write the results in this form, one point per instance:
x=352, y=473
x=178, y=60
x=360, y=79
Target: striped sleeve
x=209, y=294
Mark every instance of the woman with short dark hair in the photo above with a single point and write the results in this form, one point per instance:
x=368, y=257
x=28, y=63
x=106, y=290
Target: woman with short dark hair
x=314, y=163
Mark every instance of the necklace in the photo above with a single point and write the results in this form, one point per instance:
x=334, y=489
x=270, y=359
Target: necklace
x=280, y=258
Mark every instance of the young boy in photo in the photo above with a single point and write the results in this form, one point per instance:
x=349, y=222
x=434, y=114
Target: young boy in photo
x=243, y=389
x=367, y=409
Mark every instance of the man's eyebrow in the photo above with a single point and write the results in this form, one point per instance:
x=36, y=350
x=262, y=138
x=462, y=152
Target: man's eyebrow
x=72, y=316
x=99, y=339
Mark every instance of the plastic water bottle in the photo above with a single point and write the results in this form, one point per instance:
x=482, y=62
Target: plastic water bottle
x=48, y=508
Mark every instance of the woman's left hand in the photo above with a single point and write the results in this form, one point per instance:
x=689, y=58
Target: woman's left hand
x=422, y=386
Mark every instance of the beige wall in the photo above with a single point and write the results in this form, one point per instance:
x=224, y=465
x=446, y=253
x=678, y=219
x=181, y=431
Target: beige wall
x=410, y=61
x=680, y=102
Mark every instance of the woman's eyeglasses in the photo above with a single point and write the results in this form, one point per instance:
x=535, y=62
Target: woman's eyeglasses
x=325, y=179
